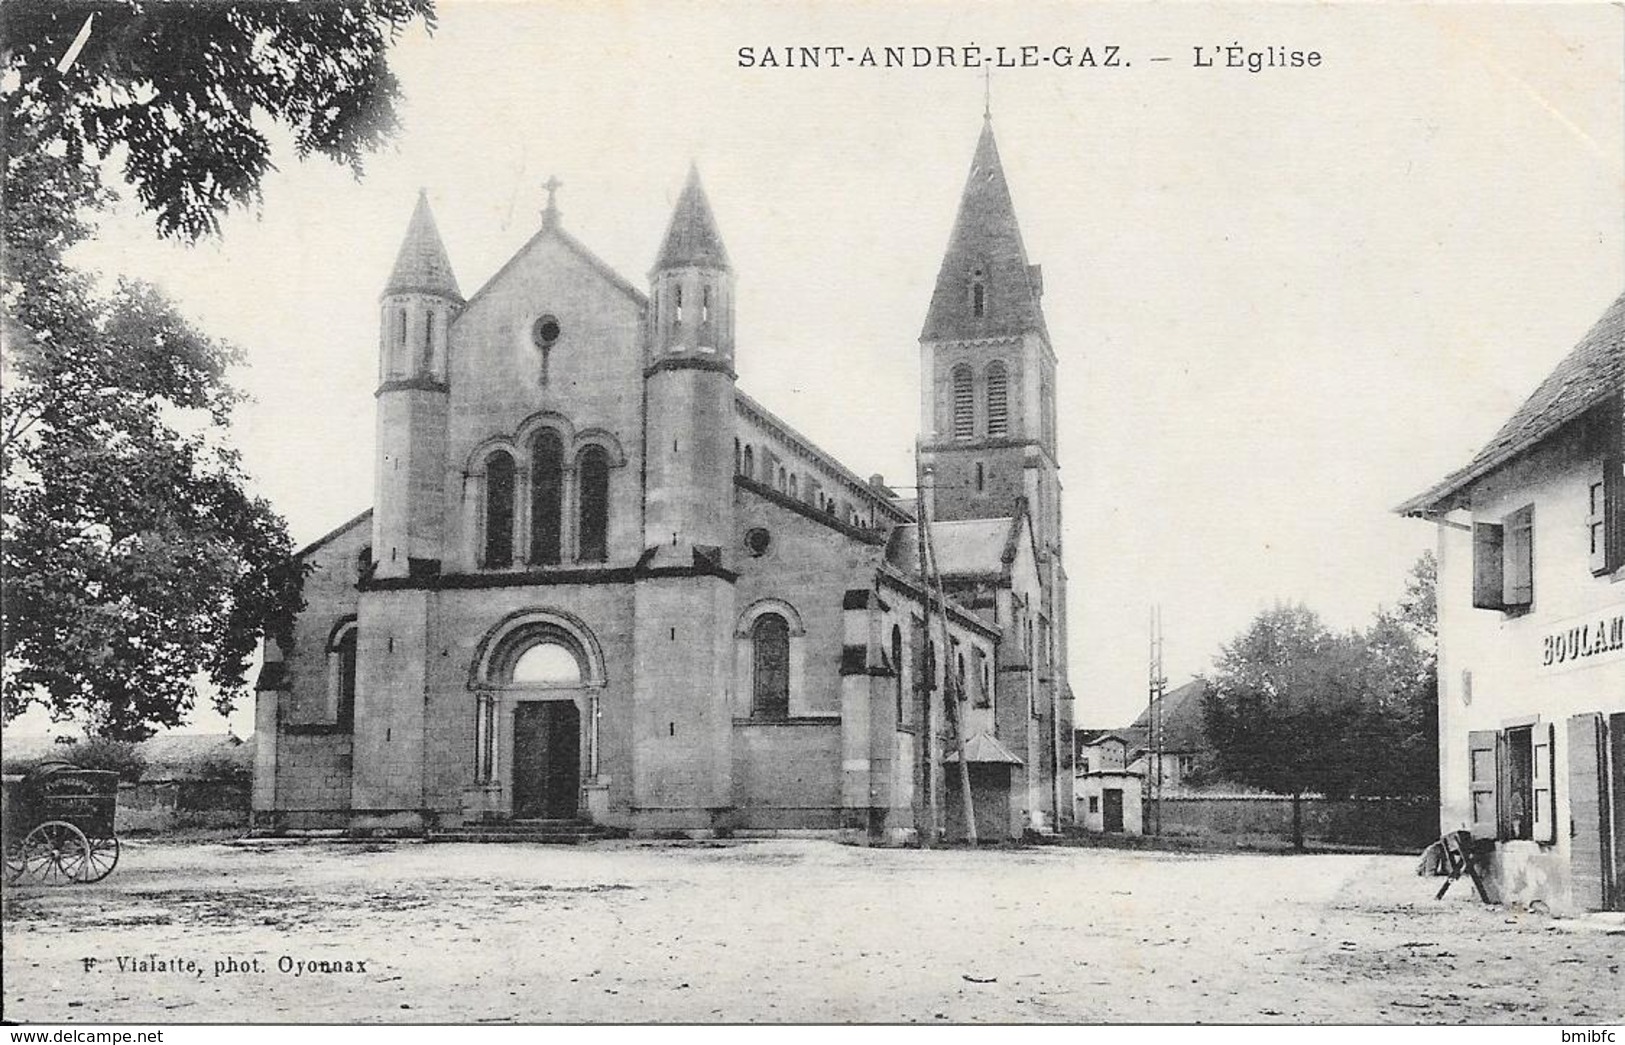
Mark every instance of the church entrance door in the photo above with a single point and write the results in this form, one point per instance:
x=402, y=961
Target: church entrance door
x=546, y=759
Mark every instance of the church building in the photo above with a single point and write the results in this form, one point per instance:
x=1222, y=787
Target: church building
x=602, y=585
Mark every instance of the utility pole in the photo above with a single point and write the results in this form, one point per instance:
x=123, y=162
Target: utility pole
x=926, y=817
x=936, y=601
x=1157, y=687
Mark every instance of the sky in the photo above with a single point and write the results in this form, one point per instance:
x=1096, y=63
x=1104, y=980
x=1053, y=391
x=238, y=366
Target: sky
x=1282, y=301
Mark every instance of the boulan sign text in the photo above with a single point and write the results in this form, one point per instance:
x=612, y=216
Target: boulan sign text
x=1594, y=638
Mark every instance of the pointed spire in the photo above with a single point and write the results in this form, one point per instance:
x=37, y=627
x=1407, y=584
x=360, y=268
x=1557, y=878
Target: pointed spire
x=985, y=287
x=422, y=266
x=692, y=238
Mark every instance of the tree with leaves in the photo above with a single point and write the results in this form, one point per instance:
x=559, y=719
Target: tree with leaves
x=1295, y=708
x=135, y=562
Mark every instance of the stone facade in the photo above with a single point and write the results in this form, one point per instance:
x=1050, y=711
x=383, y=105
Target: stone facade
x=601, y=582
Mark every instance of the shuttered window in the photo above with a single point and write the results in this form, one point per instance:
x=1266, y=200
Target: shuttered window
x=964, y=403
x=1605, y=518
x=1520, y=558
x=499, y=509
x=1488, y=566
x=998, y=400
x=1483, y=774
x=1597, y=524
x=1543, y=791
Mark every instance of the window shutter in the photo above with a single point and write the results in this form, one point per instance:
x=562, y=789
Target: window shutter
x=1597, y=521
x=1613, y=478
x=1487, y=560
x=1483, y=751
x=1519, y=544
x=1541, y=777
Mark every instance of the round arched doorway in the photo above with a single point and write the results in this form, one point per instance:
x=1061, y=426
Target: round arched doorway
x=536, y=678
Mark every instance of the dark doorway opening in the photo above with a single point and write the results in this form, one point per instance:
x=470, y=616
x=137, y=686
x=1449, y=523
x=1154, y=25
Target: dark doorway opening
x=1112, y=809
x=546, y=759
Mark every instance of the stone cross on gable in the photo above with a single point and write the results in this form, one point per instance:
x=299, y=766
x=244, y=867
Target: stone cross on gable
x=550, y=216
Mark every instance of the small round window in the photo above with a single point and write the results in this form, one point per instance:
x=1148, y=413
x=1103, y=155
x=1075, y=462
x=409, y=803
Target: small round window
x=545, y=331
x=757, y=540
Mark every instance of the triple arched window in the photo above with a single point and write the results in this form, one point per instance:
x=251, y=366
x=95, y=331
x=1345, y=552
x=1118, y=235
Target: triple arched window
x=546, y=498
x=499, y=501
x=592, y=536
x=547, y=481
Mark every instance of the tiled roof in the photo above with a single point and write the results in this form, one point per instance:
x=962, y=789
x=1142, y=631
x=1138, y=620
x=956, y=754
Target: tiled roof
x=692, y=238
x=1590, y=373
x=422, y=265
x=965, y=547
x=1182, y=724
x=985, y=239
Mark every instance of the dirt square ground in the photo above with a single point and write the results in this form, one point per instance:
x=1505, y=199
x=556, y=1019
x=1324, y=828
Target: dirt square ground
x=787, y=930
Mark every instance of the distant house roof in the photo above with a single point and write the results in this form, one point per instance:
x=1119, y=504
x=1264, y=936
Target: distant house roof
x=1182, y=725
x=1592, y=372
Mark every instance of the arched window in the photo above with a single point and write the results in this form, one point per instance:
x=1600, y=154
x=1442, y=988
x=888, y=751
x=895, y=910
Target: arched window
x=959, y=676
x=592, y=474
x=736, y=455
x=978, y=299
x=897, y=669
x=546, y=497
x=428, y=341
x=770, y=661
x=998, y=400
x=783, y=484
x=499, y=509
x=793, y=491
x=750, y=463
x=964, y=403
x=547, y=663
x=341, y=662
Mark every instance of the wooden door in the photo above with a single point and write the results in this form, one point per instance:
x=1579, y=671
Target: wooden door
x=1112, y=808
x=546, y=759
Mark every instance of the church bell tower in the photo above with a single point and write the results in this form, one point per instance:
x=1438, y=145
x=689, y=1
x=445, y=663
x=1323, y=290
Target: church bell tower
x=415, y=314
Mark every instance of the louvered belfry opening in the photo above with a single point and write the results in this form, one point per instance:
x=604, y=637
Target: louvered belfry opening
x=998, y=400
x=964, y=403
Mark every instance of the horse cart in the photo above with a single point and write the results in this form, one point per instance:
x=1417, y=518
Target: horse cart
x=58, y=824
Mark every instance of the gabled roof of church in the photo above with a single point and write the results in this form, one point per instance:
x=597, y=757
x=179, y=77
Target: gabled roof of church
x=963, y=547
x=985, y=239
x=692, y=237
x=422, y=265
x=552, y=230
x=1592, y=372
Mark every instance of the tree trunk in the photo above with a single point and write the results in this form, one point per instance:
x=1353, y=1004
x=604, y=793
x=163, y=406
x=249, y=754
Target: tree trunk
x=1297, y=820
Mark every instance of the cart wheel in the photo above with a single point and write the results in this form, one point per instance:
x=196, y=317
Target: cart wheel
x=102, y=859
x=55, y=853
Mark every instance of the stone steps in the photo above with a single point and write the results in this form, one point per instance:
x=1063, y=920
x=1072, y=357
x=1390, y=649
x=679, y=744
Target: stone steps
x=549, y=832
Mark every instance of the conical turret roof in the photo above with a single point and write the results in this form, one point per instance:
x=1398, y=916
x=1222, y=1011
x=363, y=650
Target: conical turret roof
x=692, y=237
x=422, y=266
x=985, y=247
